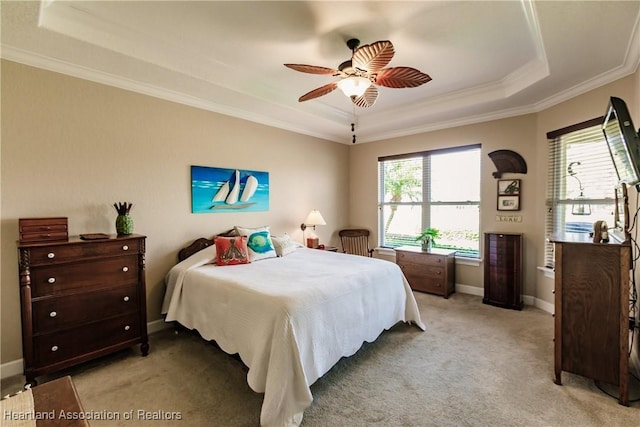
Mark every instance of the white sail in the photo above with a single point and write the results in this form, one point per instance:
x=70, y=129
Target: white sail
x=235, y=190
x=249, y=188
x=222, y=193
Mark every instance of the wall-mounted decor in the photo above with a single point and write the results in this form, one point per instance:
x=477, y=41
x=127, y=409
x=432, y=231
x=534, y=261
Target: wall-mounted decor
x=507, y=161
x=228, y=190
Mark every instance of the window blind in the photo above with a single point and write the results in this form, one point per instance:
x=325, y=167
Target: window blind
x=580, y=172
x=438, y=189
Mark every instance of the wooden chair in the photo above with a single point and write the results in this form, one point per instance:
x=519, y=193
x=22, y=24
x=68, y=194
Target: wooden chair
x=355, y=241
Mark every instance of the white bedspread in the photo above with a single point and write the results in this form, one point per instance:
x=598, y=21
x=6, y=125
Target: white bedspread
x=290, y=319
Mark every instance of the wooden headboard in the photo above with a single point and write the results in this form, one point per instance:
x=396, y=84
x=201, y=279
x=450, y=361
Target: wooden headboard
x=196, y=246
x=202, y=243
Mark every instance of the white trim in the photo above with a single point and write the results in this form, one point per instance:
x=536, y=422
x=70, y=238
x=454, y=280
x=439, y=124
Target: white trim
x=9, y=369
x=471, y=290
x=16, y=367
x=545, y=306
x=548, y=272
x=460, y=260
x=463, y=260
x=157, y=326
x=526, y=299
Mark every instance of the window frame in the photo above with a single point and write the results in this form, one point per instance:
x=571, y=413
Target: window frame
x=425, y=203
x=558, y=198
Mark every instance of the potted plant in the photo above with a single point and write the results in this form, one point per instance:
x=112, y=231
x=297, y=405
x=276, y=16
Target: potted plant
x=428, y=237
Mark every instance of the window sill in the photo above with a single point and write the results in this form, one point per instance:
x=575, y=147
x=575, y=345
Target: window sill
x=475, y=262
x=548, y=272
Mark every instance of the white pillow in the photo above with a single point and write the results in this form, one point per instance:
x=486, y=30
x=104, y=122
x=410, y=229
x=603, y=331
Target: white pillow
x=258, y=241
x=283, y=244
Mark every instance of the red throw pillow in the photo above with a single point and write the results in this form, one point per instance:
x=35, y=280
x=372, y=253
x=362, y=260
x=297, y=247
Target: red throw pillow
x=231, y=250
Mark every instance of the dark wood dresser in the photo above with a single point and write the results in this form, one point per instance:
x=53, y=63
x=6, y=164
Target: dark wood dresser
x=428, y=271
x=81, y=300
x=503, y=270
x=592, y=310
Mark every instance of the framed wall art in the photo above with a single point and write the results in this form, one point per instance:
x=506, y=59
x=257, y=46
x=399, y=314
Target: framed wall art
x=508, y=187
x=508, y=194
x=508, y=203
x=216, y=190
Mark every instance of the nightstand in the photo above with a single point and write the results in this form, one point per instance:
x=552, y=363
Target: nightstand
x=328, y=248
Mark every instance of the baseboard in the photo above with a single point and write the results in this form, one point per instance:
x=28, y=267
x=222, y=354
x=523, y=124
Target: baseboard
x=15, y=367
x=10, y=369
x=526, y=299
x=471, y=290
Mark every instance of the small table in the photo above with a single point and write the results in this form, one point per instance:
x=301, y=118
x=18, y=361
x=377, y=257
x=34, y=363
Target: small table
x=327, y=248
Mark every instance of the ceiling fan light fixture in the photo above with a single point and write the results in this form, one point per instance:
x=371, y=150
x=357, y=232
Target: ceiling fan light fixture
x=354, y=86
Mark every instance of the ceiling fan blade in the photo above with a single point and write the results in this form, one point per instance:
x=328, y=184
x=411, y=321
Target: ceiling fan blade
x=373, y=57
x=367, y=99
x=322, y=90
x=311, y=69
x=399, y=77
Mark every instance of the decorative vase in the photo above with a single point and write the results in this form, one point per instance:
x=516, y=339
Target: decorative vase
x=427, y=244
x=124, y=225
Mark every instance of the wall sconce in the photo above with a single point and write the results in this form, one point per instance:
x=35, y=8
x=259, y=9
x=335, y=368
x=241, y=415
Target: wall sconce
x=314, y=218
x=579, y=207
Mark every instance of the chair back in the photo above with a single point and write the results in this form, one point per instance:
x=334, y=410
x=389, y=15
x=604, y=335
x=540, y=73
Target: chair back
x=355, y=241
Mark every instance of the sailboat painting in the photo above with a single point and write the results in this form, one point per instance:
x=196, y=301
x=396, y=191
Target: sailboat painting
x=228, y=190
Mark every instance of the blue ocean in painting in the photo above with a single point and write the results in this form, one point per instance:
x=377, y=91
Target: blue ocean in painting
x=206, y=181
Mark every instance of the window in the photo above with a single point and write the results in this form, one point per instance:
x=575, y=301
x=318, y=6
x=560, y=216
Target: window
x=581, y=182
x=434, y=189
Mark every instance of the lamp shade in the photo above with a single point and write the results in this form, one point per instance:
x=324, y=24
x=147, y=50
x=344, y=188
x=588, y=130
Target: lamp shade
x=354, y=86
x=315, y=218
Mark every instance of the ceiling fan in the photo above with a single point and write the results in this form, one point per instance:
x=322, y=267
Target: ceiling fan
x=365, y=70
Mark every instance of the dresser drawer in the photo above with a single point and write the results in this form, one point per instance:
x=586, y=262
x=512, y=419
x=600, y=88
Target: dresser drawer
x=421, y=269
x=57, y=279
x=434, y=282
x=59, y=346
x=419, y=258
x=54, y=254
x=50, y=314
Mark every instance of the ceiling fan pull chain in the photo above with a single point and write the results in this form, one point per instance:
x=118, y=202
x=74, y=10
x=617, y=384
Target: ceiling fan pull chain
x=353, y=125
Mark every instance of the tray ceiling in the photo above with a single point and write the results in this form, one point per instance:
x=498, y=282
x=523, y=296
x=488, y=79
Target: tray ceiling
x=488, y=60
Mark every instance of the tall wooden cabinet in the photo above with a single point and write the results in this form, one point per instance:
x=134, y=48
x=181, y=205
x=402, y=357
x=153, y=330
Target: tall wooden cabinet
x=503, y=270
x=592, y=311
x=80, y=300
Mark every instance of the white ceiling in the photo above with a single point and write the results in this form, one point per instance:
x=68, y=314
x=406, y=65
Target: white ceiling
x=487, y=60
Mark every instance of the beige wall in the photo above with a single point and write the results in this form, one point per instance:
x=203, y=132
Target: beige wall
x=517, y=134
x=588, y=106
x=525, y=135
x=72, y=148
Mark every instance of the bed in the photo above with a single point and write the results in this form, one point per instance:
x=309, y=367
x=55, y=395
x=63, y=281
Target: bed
x=289, y=318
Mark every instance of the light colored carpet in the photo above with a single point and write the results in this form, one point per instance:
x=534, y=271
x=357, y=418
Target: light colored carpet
x=475, y=365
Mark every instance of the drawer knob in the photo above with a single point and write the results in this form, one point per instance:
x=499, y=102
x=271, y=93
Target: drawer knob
x=53, y=314
x=51, y=280
x=125, y=269
x=125, y=299
x=125, y=248
x=51, y=255
x=126, y=328
x=54, y=348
